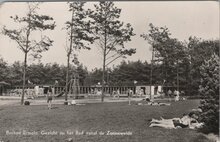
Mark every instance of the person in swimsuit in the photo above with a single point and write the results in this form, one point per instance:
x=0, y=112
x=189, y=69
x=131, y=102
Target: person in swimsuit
x=184, y=122
x=49, y=97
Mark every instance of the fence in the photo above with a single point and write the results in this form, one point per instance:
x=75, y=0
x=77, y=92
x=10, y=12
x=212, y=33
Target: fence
x=17, y=90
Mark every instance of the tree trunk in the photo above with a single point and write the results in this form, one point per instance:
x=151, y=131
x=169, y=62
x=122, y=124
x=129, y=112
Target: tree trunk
x=24, y=78
x=151, y=73
x=189, y=82
x=67, y=78
x=177, y=76
x=25, y=59
x=68, y=60
x=104, y=60
x=103, y=76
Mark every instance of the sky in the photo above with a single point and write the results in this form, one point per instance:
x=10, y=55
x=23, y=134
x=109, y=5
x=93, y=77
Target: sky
x=182, y=18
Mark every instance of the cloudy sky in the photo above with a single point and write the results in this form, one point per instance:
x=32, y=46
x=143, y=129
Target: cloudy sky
x=184, y=19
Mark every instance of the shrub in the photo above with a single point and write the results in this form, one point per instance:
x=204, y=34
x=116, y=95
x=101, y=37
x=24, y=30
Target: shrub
x=209, y=91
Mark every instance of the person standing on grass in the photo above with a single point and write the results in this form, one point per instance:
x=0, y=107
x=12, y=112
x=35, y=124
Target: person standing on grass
x=169, y=93
x=130, y=93
x=49, y=97
x=118, y=93
x=177, y=96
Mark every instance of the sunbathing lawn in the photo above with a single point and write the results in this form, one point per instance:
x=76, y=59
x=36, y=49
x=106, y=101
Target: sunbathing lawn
x=99, y=117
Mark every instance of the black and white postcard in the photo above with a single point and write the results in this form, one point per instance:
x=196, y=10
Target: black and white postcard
x=109, y=71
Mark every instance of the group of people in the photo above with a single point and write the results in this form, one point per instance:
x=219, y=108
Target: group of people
x=187, y=121
x=116, y=93
x=176, y=94
x=50, y=96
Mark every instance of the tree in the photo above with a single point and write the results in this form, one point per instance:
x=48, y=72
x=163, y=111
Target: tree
x=125, y=73
x=93, y=77
x=199, y=51
x=37, y=74
x=78, y=32
x=209, y=90
x=4, y=69
x=27, y=43
x=42, y=73
x=170, y=53
x=82, y=73
x=16, y=73
x=111, y=34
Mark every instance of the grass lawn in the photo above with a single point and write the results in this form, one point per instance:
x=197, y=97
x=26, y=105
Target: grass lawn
x=100, y=117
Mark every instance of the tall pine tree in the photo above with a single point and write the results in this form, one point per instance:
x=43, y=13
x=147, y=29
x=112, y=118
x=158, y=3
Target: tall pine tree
x=27, y=43
x=111, y=34
x=79, y=35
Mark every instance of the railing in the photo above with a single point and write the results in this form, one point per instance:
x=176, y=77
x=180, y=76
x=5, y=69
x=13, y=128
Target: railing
x=74, y=90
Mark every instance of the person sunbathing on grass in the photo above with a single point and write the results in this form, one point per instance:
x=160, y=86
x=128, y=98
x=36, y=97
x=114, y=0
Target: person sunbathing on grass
x=73, y=102
x=174, y=123
x=148, y=102
x=154, y=104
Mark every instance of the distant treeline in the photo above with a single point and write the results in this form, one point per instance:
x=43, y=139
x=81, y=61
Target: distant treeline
x=186, y=72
